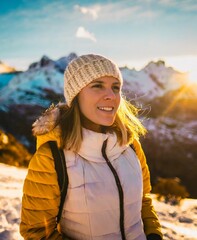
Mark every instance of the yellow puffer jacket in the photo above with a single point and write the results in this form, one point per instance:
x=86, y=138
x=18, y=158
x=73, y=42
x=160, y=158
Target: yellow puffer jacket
x=41, y=195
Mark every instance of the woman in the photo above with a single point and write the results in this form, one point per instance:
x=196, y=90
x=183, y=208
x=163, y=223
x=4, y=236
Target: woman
x=108, y=194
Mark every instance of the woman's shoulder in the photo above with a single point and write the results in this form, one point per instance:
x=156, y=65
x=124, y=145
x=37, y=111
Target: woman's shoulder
x=137, y=145
x=42, y=160
x=139, y=151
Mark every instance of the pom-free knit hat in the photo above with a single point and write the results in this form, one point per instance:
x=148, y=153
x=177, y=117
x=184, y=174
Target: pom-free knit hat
x=83, y=70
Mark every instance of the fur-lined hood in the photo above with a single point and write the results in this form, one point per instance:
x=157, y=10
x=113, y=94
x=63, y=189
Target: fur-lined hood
x=45, y=128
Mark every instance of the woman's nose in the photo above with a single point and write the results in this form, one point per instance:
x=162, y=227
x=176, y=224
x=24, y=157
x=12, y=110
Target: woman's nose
x=109, y=94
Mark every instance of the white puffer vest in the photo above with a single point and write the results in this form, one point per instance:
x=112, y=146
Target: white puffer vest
x=92, y=209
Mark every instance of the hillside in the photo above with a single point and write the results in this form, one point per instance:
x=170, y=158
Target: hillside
x=13, y=152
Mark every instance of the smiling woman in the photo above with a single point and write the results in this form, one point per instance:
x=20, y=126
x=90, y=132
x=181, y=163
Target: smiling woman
x=108, y=195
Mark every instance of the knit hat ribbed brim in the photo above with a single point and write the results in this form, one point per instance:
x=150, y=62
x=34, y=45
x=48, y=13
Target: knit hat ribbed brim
x=83, y=70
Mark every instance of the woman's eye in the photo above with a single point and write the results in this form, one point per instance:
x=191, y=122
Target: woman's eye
x=116, y=88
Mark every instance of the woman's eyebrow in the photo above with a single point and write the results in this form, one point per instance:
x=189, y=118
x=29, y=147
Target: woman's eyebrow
x=100, y=81
x=97, y=81
x=116, y=83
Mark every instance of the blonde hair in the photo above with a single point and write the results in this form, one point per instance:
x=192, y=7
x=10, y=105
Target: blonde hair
x=126, y=125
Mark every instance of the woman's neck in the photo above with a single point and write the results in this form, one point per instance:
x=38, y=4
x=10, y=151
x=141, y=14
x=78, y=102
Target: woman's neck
x=86, y=123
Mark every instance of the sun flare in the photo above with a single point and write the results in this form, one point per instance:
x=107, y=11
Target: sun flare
x=185, y=64
x=192, y=76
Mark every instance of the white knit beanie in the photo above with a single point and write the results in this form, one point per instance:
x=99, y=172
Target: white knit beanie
x=83, y=70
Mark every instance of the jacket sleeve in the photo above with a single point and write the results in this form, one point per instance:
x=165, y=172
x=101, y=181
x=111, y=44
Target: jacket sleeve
x=149, y=216
x=41, y=198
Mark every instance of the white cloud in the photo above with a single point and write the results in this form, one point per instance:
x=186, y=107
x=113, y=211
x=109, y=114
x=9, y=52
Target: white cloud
x=92, y=11
x=83, y=33
x=122, y=11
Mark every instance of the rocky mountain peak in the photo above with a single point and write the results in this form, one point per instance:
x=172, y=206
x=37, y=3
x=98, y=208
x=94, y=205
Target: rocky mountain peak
x=62, y=63
x=44, y=61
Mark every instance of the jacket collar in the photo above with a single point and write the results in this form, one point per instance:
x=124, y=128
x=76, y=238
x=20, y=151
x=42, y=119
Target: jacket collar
x=92, y=144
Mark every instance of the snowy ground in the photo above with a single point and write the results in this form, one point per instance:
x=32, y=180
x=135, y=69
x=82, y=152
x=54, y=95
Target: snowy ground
x=178, y=222
x=11, y=181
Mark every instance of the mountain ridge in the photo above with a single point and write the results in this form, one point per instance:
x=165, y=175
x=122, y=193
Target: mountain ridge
x=152, y=81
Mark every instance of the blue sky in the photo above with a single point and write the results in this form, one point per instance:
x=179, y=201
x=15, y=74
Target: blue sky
x=131, y=32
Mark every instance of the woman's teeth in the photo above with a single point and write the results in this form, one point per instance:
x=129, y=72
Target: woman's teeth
x=108, y=109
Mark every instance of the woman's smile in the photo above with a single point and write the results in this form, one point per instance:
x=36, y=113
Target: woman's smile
x=106, y=109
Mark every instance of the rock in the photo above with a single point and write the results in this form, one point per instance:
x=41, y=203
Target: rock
x=184, y=219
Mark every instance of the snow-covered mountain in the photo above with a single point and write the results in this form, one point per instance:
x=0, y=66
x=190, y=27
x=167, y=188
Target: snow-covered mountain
x=178, y=222
x=35, y=86
x=152, y=81
x=46, y=77
x=5, y=78
x=31, y=87
x=59, y=64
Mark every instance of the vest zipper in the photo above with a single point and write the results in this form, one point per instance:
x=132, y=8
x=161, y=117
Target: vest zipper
x=120, y=190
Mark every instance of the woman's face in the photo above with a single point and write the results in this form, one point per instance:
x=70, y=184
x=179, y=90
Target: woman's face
x=99, y=102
